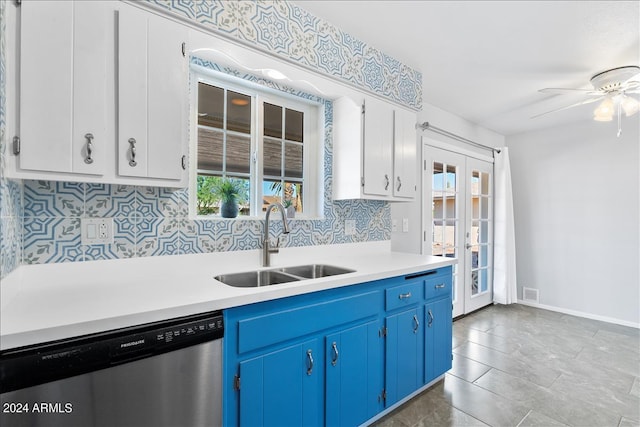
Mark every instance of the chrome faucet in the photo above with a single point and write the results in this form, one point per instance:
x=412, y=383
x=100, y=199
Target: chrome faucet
x=266, y=248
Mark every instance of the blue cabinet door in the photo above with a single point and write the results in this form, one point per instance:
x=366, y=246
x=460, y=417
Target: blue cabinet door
x=404, y=354
x=354, y=375
x=282, y=388
x=438, y=330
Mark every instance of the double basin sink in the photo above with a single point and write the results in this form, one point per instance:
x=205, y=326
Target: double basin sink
x=254, y=279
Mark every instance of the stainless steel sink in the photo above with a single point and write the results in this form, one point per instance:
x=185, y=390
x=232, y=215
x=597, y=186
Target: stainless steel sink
x=254, y=279
x=315, y=271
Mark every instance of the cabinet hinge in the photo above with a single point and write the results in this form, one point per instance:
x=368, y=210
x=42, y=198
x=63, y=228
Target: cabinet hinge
x=362, y=181
x=425, y=165
x=362, y=108
x=383, y=396
x=382, y=332
x=16, y=145
x=18, y=2
x=184, y=163
x=424, y=236
x=184, y=49
x=236, y=382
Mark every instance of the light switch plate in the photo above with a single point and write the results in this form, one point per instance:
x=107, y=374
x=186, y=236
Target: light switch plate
x=96, y=231
x=350, y=227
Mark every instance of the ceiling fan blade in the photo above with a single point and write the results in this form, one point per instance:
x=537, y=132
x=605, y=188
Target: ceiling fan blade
x=635, y=78
x=561, y=91
x=586, y=101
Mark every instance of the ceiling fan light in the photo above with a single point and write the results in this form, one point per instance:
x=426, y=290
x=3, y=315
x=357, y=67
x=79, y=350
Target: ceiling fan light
x=604, y=112
x=630, y=106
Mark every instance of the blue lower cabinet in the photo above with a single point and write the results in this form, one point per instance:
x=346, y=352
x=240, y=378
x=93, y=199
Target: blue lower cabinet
x=404, y=354
x=354, y=382
x=438, y=338
x=282, y=388
x=337, y=357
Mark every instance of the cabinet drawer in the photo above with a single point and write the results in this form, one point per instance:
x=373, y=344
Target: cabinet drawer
x=403, y=295
x=439, y=286
x=273, y=328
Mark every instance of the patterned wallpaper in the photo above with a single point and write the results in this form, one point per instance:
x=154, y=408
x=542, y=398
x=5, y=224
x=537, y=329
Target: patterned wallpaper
x=285, y=29
x=40, y=220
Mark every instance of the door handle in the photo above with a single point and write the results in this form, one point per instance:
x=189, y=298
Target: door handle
x=334, y=358
x=88, y=160
x=132, y=145
x=310, y=360
x=417, y=324
x=430, y=318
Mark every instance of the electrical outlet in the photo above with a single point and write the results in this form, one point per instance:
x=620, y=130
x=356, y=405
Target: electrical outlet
x=96, y=231
x=350, y=227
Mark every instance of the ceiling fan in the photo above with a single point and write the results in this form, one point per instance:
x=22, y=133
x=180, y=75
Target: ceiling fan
x=613, y=88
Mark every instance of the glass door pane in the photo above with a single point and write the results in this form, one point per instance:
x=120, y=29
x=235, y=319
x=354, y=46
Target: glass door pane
x=479, y=235
x=446, y=193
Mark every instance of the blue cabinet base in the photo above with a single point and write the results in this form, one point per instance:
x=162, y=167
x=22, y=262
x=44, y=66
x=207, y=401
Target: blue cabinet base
x=339, y=357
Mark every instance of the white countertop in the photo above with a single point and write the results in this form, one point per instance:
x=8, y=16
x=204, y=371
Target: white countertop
x=40, y=303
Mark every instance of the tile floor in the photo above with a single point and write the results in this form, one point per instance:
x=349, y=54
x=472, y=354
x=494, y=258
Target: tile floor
x=520, y=366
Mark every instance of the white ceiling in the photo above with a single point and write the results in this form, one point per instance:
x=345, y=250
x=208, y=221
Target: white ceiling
x=486, y=60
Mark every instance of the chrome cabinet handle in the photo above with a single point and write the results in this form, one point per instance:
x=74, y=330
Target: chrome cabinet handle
x=440, y=286
x=334, y=358
x=399, y=184
x=386, y=181
x=430, y=318
x=132, y=149
x=467, y=246
x=417, y=323
x=404, y=296
x=310, y=360
x=88, y=160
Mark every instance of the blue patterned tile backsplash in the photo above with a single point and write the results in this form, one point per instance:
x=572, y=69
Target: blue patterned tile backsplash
x=150, y=221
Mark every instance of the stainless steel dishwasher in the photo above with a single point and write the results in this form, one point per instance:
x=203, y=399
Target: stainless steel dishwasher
x=166, y=373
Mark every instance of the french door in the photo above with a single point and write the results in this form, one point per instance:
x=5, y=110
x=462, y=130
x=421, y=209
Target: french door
x=459, y=222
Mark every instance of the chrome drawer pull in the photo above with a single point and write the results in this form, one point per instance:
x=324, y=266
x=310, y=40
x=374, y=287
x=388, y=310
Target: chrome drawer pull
x=310, y=359
x=404, y=296
x=430, y=318
x=417, y=323
x=132, y=144
x=334, y=359
x=399, y=184
x=88, y=160
x=440, y=286
x=386, y=181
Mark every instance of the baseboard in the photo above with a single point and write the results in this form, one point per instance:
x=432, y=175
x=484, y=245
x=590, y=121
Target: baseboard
x=581, y=314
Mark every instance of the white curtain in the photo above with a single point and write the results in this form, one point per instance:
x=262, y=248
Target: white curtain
x=504, y=258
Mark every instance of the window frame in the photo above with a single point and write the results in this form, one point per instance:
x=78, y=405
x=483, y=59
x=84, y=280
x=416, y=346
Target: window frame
x=313, y=137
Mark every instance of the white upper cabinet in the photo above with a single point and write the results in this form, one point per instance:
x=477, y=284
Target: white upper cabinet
x=152, y=96
x=103, y=93
x=63, y=102
x=404, y=153
x=374, y=150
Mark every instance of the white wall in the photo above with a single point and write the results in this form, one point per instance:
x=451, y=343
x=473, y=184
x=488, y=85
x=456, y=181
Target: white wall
x=577, y=222
x=412, y=240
